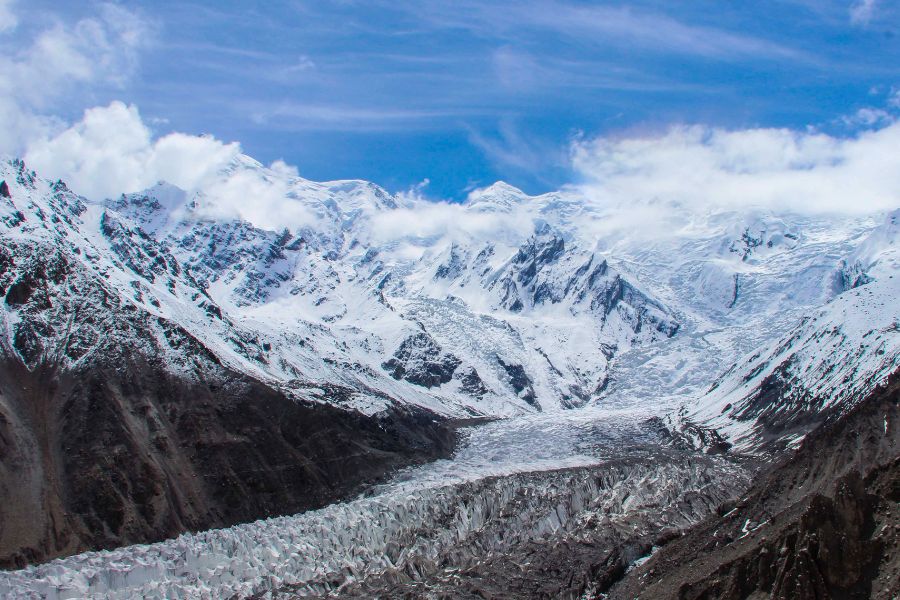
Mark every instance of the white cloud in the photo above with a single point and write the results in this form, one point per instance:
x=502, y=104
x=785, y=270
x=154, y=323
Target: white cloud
x=691, y=170
x=861, y=11
x=259, y=196
x=643, y=181
x=288, y=115
x=101, y=50
x=415, y=193
x=869, y=117
x=426, y=219
x=590, y=23
x=111, y=151
x=894, y=98
x=292, y=72
x=651, y=182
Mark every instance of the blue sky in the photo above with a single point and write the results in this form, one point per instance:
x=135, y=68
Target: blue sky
x=465, y=93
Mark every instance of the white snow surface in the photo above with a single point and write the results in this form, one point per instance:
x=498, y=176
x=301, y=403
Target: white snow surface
x=832, y=357
x=501, y=285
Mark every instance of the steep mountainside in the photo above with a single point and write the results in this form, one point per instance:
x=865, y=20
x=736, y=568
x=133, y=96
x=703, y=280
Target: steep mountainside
x=822, y=524
x=132, y=408
x=834, y=357
x=129, y=452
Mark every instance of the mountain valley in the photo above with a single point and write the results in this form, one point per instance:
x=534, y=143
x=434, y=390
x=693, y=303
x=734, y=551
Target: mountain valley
x=384, y=396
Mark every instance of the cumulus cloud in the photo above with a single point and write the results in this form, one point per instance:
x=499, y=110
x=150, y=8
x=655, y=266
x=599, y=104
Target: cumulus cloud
x=262, y=197
x=420, y=220
x=112, y=151
x=427, y=220
x=36, y=74
x=660, y=180
x=699, y=169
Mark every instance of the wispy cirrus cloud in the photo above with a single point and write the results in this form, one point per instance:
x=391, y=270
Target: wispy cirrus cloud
x=603, y=24
x=507, y=147
x=8, y=18
x=461, y=92
x=300, y=116
x=862, y=11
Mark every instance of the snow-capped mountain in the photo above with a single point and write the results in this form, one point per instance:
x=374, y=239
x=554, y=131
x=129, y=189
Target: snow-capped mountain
x=356, y=310
x=500, y=305
x=503, y=304
x=484, y=328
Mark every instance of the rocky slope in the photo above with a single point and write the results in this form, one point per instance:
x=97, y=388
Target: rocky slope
x=127, y=453
x=823, y=523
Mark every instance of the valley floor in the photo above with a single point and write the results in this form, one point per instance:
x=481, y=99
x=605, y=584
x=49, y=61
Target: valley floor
x=541, y=505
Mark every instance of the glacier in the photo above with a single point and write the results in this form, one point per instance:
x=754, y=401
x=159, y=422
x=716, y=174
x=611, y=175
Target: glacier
x=530, y=479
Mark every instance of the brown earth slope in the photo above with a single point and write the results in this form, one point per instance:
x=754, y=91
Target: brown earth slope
x=131, y=453
x=824, y=523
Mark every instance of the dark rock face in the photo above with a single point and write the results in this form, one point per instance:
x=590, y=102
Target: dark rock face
x=258, y=259
x=823, y=523
x=780, y=407
x=127, y=453
x=538, y=274
x=535, y=255
x=520, y=382
x=137, y=251
x=850, y=276
x=453, y=267
x=420, y=360
x=747, y=244
x=4, y=189
x=472, y=383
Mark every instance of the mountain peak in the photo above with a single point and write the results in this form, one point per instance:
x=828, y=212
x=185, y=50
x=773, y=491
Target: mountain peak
x=499, y=196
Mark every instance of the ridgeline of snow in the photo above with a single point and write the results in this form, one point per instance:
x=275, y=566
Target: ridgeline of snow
x=501, y=305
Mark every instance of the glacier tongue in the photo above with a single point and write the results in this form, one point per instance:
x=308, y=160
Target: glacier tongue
x=513, y=482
